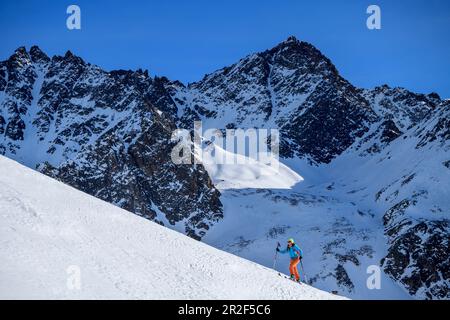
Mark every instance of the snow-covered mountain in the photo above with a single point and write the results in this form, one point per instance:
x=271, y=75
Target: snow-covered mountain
x=292, y=87
x=52, y=233
x=101, y=133
x=380, y=156
x=363, y=178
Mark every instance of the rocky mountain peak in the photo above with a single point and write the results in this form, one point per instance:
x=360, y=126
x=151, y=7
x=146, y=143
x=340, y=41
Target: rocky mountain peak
x=406, y=108
x=69, y=54
x=69, y=58
x=37, y=55
x=20, y=57
x=432, y=97
x=21, y=51
x=291, y=38
x=295, y=54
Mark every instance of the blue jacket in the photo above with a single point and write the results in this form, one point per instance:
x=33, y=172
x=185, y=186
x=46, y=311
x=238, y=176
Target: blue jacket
x=294, y=251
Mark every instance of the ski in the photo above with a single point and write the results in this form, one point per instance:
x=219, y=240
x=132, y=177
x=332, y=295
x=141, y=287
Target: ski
x=289, y=278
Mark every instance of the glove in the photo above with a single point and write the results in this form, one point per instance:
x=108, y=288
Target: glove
x=278, y=249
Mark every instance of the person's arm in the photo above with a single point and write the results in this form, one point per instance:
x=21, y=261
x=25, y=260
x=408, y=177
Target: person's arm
x=299, y=251
x=282, y=250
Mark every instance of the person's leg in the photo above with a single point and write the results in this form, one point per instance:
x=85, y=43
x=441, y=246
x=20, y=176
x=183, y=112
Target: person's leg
x=294, y=263
x=292, y=268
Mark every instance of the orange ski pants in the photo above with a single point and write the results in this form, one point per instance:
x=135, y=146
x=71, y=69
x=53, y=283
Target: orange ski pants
x=293, y=268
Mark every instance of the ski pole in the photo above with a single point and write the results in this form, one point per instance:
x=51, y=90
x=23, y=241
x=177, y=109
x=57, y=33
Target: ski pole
x=276, y=256
x=303, y=271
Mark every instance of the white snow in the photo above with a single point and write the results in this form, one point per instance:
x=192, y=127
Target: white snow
x=50, y=231
x=263, y=172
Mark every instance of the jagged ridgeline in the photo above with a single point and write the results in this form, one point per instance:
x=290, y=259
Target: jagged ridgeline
x=108, y=134
x=105, y=133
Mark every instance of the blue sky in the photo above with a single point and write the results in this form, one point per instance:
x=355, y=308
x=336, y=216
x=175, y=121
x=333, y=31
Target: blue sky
x=184, y=40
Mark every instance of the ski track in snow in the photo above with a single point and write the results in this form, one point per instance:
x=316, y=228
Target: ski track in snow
x=47, y=227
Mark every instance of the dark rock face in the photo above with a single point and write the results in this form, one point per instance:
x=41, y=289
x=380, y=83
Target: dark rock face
x=292, y=87
x=445, y=163
x=142, y=179
x=439, y=122
x=326, y=129
x=108, y=134
x=404, y=107
x=2, y=125
x=419, y=235
x=418, y=257
x=343, y=279
x=390, y=131
x=374, y=142
x=37, y=55
x=396, y=212
x=16, y=80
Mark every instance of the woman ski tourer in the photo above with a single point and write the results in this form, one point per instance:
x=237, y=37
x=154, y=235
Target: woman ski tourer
x=296, y=255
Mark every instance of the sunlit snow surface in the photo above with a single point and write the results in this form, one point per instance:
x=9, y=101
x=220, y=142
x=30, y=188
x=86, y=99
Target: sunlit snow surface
x=245, y=172
x=48, y=230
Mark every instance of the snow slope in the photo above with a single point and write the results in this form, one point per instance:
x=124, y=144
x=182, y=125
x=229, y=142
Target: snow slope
x=49, y=229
